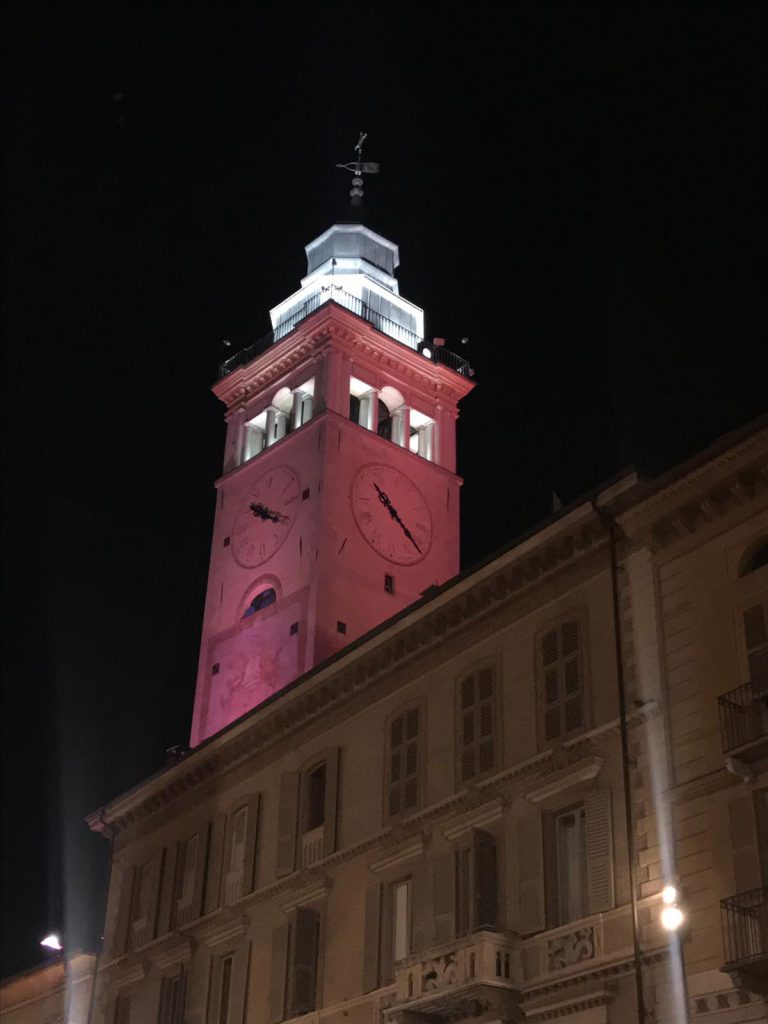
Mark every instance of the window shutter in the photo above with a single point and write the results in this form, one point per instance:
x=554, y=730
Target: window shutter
x=421, y=916
x=189, y=866
x=756, y=641
x=531, y=874
x=249, y=846
x=562, y=684
x=286, y=825
x=331, y=801
x=746, y=856
x=599, y=843
x=477, y=723
x=200, y=872
x=303, y=962
x=214, y=888
x=372, y=947
x=442, y=895
x=403, y=795
x=167, y=888
x=485, y=881
x=277, y=976
x=151, y=897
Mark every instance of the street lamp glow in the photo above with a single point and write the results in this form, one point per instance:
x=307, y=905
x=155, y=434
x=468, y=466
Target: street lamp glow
x=427, y=352
x=672, y=918
x=51, y=941
x=669, y=895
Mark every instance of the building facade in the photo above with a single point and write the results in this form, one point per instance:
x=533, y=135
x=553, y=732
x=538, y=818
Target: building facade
x=406, y=796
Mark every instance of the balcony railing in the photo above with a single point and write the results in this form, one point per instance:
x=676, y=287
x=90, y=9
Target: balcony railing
x=451, y=975
x=744, y=715
x=312, y=847
x=342, y=298
x=745, y=927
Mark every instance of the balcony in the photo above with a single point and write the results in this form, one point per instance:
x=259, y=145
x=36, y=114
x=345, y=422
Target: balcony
x=475, y=976
x=590, y=944
x=381, y=323
x=312, y=847
x=744, y=720
x=745, y=938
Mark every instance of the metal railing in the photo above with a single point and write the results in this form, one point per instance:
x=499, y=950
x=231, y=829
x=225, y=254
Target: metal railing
x=745, y=925
x=743, y=715
x=335, y=293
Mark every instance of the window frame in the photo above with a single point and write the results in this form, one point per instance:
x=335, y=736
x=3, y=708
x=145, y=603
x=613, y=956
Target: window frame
x=580, y=616
x=474, y=669
x=419, y=706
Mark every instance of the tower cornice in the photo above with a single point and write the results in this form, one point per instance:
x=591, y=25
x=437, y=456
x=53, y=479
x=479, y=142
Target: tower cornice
x=333, y=325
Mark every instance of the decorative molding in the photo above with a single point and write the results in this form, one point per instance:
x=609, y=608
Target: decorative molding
x=568, y=778
x=312, y=889
x=485, y=814
x=226, y=930
x=398, y=857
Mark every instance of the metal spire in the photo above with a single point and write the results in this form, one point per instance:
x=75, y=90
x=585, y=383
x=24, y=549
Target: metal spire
x=359, y=167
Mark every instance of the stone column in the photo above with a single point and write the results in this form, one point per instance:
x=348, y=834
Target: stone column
x=271, y=420
x=401, y=426
x=426, y=441
x=306, y=409
x=296, y=417
x=371, y=420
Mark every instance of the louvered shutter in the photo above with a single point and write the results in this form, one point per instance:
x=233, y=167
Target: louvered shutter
x=286, y=825
x=477, y=723
x=421, y=916
x=744, y=843
x=562, y=680
x=756, y=641
x=531, y=874
x=403, y=796
x=372, y=946
x=251, y=838
x=199, y=876
x=485, y=880
x=189, y=866
x=303, y=962
x=278, y=974
x=331, y=800
x=442, y=896
x=218, y=858
x=599, y=845
x=151, y=898
x=167, y=888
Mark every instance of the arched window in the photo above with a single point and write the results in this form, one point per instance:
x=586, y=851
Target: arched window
x=262, y=600
x=384, y=423
x=755, y=558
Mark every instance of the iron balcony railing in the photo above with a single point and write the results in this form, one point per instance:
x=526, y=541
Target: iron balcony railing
x=743, y=715
x=342, y=298
x=745, y=926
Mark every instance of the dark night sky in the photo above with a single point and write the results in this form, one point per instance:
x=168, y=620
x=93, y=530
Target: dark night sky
x=580, y=189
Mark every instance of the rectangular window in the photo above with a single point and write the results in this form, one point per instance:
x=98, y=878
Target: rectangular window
x=571, y=865
x=123, y=1010
x=478, y=726
x=172, y=998
x=561, y=674
x=756, y=643
x=476, y=884
x=403, y=796
x=225, y=990
x=401, y=919
x=578, y=860
x=302, y=961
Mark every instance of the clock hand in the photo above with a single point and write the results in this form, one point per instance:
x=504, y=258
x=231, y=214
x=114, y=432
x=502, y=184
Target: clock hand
x=262, y=512
x=384, y=499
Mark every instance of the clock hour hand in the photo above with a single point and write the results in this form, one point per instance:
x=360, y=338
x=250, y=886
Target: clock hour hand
x=384, y=499
x=262, y=512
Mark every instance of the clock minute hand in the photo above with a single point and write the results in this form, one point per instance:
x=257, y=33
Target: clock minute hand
x=384, y=499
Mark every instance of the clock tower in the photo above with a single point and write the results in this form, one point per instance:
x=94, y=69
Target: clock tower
x=338, y=505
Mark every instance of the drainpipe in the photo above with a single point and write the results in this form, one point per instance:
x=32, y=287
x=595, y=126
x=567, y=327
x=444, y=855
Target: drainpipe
x=609, y=523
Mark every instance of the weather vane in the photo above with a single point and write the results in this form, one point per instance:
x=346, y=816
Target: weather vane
x=358, y=168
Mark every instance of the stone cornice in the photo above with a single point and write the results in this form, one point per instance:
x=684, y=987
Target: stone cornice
x=361, y=666
x=700, y=494
x=332, y=324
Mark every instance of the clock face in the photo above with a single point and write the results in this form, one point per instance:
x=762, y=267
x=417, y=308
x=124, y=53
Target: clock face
x=266, y=517
x=391, y=513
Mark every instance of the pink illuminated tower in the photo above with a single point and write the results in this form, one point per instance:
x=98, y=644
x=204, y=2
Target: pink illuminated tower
x=339, y=501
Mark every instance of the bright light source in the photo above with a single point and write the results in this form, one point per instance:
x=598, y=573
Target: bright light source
x=669, y=895
x=51, y=941
x=427, y=352
x=672, y=918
